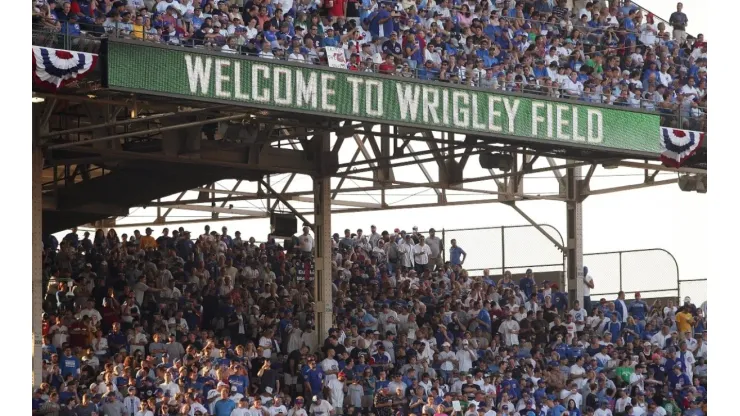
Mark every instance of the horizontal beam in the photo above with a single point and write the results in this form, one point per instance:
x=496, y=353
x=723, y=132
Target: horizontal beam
x=356, y=204
x=225, y=191
x=147, y=132
x=657, y=166
x=344, y=211
x=630, y=187
x=235, y=211
x=127, y=122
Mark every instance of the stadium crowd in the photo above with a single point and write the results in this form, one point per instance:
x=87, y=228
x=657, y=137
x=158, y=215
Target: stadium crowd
x=215, y=324
x=615, y=53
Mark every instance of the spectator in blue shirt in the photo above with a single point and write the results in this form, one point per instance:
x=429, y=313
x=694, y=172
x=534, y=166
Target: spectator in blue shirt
x=224, y=406
x=455, y=253
x=638, y=308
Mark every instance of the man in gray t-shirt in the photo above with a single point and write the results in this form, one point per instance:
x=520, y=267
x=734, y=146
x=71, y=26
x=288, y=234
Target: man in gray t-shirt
x=436, y=246
x=113, y=406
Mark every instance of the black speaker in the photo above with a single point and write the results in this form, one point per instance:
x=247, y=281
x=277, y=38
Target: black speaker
x=500, y=161
x=284, y=225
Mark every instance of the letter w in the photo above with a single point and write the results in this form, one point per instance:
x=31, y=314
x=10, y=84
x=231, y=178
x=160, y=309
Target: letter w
x=198, y=73
x=408, y=100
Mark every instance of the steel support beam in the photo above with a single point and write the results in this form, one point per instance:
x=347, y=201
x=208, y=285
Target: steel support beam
x=322, y=221
x=424, y=170
x=287, y=204
x=537, y=226
x=235, y=211
x=355, y=204
x=630, y=187
x=36, y=244
x=126, y=122
x=556, y=171
x=153, y=131
x=574, y=235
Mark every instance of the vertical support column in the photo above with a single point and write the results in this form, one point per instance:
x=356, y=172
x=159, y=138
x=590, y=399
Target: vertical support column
x=36, y=244
x=322, y=220
x=574, y=225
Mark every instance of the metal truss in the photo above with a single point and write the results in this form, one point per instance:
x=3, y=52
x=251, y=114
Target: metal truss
x=266, y=160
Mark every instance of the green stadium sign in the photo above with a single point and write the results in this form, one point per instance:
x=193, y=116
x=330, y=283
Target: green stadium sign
x=355, y=95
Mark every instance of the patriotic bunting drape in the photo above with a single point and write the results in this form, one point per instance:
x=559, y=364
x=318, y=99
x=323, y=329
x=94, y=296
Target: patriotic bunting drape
x=55, y=68
x=678, y=145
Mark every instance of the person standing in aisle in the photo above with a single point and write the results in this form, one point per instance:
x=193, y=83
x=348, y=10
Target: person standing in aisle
x=455, y=253
x=422, y=253
x=588, y=284
x=436, y=246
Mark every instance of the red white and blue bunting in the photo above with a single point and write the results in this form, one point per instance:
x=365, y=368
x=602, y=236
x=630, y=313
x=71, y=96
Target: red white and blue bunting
x=55, y=68
x=678, y=145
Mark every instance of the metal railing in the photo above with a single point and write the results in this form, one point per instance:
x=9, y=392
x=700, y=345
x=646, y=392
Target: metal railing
x=506, y=248
x=658, y=18
x=52, y=38
x=676, y=115
x=652, y=271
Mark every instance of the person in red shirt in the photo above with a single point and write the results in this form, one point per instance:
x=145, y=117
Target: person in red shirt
x=79, y=333
x=337, y=9
x=388, y=66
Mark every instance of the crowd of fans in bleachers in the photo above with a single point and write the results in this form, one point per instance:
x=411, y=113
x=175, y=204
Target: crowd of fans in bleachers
x=215, y=324
x=614, y=54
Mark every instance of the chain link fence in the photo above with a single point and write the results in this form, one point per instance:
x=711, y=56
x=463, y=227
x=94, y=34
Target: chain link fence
x=514, y=248
x=652, y=272
x=696, y=289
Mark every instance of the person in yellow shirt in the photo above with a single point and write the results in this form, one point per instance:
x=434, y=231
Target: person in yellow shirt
x=138, y=32
x=148, y=242
x=684, y=320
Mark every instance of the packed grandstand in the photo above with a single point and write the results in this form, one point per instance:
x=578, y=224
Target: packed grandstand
x=220, y=325
x=614, y=54
x=215, y=324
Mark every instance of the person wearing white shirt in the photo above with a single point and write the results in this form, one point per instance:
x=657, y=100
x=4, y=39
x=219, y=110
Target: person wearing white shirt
x=336, y=395
x=169, y=385
x=277, y=408
x=465, y=357
x=638, y=379
x=448, y=359
x=144, y=410
x=579, y=316
x=422, y=252
x=648, y=34
x=329, y=366
x=93, y=313
x=622, y=402
x=577, y=372
x=510, y=331
x=405, y=252
x=305, y=241
x=572, y=394
x=131, y=403
x=388, y=320
x=588, y=284
x=195, y=406
x=321, y=407
x=552, y=56
x=242, y=408
x=689, y=91
x=661, y=337
x=688, y=359
x=603, y=410
x=164, y=4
